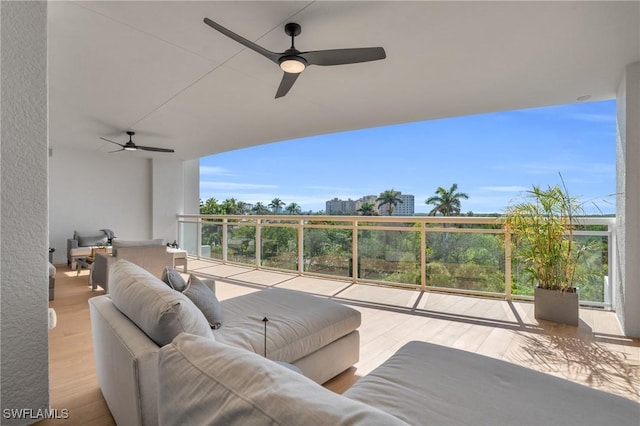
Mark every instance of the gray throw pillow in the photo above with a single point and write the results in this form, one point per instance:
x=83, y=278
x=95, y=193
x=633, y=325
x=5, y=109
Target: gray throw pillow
x=205, y=299
x=90, y=239
x=159, y=311
x=173, y=279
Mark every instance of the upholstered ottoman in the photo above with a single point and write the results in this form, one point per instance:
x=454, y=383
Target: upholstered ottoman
x=317, y=335
x=423, y=383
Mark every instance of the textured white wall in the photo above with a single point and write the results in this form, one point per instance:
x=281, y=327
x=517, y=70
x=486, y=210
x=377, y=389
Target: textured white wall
x=94, y=190
x=23, y=204
x=626, y=297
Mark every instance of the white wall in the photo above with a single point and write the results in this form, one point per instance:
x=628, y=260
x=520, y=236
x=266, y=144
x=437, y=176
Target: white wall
x=192, y=186
x=91, y=190
x=168, y=180
x=135, y=197
x=626, y=291
x=23, y=203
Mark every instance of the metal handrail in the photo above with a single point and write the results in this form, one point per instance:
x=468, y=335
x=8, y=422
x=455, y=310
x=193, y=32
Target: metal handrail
x=421, y=225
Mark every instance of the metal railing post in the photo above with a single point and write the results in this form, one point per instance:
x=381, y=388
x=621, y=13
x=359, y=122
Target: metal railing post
x=225, y=240
x=300, y=247
x=354, y=252
x=423, y=256
x=199, y=238
x=258, y=242
x=507, y=264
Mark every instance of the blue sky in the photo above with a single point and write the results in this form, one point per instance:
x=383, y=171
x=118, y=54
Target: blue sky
x=492, y=157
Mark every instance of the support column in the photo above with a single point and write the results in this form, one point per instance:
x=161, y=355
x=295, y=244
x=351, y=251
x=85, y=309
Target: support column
x=24, y=238
x=626, y=289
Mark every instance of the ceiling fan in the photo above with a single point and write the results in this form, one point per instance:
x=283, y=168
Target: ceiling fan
x=293, y=62
x=130, y=146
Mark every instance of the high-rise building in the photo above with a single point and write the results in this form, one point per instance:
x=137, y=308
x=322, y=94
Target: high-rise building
x=337, y=206
x=367, y=199
x=405, y=208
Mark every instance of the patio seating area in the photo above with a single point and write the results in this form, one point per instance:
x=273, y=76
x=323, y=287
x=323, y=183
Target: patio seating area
x=595, y=353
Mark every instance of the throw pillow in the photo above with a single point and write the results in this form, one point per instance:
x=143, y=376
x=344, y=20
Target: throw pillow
x=205, y=299
x=159, y=311
x=173, y=279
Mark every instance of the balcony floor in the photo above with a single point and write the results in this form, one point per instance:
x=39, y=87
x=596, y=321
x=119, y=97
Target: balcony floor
x=595, y=353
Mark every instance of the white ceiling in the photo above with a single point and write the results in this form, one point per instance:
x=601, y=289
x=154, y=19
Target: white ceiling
x=157, y=69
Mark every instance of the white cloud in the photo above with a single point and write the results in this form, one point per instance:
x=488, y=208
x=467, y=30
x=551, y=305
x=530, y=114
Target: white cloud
x=512, y=188
x=595, y=118
x=214, y=171
x=234, y=186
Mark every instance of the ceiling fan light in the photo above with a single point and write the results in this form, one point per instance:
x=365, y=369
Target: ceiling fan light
x=130, y=148
x=292, y=65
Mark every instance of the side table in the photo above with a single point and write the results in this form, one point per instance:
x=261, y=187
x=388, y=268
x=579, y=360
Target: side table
x=83, y=262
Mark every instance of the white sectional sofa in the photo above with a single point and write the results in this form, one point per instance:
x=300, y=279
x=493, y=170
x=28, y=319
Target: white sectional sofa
x=141, y=314
x=204, y=382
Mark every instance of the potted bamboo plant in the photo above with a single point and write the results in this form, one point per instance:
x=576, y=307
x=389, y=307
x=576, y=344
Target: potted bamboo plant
x=542, y=226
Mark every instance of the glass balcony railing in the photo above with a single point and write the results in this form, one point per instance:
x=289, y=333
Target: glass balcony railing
x=457, y=254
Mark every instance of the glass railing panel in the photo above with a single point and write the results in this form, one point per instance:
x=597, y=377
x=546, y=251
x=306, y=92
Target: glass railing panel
x=279, y=247
x=211, y=240
x=328, y=251
x=188, y=237
x=466, y=261
x=392, y=256
x=389, y=224
x=592, y=270
x=241, y=244
x=594, y=262
x=327, y=222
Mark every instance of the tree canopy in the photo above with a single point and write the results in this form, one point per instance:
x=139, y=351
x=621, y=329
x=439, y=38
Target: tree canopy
x=390, y=198
x=446, y=202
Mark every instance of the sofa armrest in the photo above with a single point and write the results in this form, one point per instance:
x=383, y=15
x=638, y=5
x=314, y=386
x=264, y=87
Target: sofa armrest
x=126, y=364
x=71, y=244
x=100, y=274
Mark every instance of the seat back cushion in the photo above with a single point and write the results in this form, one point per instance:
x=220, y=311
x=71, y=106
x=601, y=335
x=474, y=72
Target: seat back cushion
x=93, y=238
x=117, y=243
x=159, y=311
x=206, y=382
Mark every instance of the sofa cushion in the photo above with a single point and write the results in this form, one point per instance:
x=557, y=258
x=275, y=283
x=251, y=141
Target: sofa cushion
x=117, y=243
x=173, y=279
x=205, y=382
x=205, y=299
x=299, y=323
x=423, y=383
x=88, y=239
x=159, y=311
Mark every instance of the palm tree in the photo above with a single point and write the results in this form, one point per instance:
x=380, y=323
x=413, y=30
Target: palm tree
x=260, y=209
x=446, y=202
x=276, y=204
x=210, y=206
x=293, y=208
x=390, y=198
x=367, y=209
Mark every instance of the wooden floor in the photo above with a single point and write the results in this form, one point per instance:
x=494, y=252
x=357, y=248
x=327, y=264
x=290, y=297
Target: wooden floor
x=594, y=354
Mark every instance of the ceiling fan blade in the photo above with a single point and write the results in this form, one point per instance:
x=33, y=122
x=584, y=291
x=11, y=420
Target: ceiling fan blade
x=285, y=85
x=344, y=56
x=117, y=150
x=153, y=148
x=105, y=139
x=272, y=56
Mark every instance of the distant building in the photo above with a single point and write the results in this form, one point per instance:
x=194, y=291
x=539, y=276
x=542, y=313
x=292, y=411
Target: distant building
x=406, y=208
x=337, y=206
x=367, y=199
